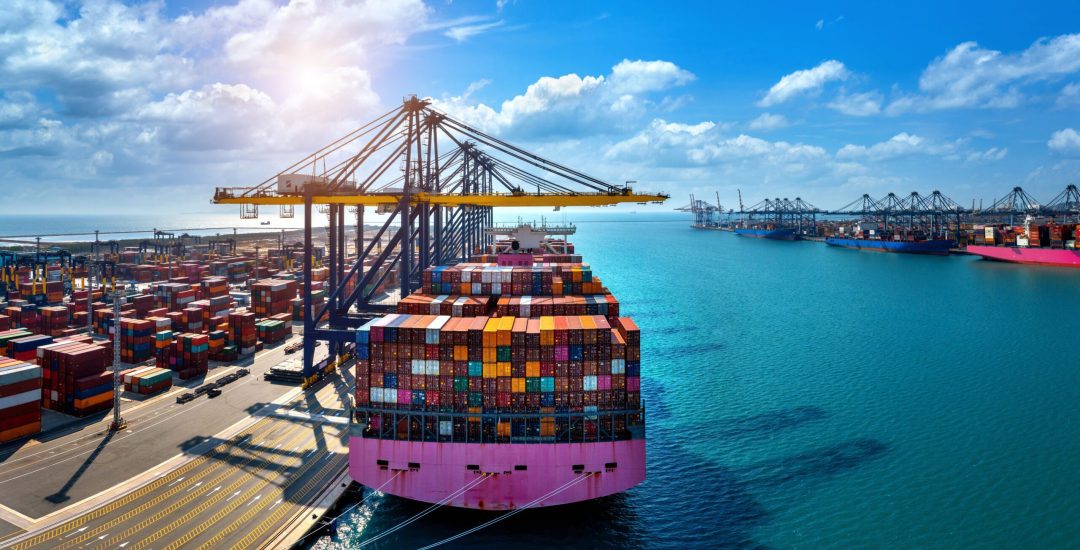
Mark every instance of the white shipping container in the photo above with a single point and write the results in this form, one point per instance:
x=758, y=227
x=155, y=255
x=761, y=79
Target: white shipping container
x=446, y=427
x=19, y=373
x=590, y=383
x=32, y=396
x=618, y=366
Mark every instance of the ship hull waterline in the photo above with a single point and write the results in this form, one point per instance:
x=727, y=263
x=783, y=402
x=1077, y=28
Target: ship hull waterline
x=520, y=473
x=773, y=234
x=939, y=247
x=1055, y=257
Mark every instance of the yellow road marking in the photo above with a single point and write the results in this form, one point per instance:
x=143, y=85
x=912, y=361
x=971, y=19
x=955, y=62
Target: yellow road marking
x=254, y=535
x=225, y=510
x=167, y=478
x=222, y=533
x=228, y=470
x=134, y=495
x=206, y=503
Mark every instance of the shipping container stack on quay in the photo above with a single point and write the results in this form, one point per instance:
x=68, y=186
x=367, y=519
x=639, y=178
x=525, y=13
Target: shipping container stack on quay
x=168, y=329
x=500, y=379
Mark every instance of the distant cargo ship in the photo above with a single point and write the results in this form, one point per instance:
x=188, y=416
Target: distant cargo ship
x=1021, y=255
x=779, y=234
x=937, y=247
x=1025, y=244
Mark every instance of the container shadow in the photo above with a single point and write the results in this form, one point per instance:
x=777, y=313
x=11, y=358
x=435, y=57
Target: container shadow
x=818, y=463
x=767, y=423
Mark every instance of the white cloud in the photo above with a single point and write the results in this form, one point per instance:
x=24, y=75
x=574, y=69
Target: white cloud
x=767, y=122
x=992, y=154
x=572, y=104
x=464, y=32
x=637, y=77
x=902, y=144
x=1070, y=95
x=806, y=81
x=820, y=24
x=1065, y=142
x=103, y=92
x=975, y=77
x=861, y=104
x=706, y=143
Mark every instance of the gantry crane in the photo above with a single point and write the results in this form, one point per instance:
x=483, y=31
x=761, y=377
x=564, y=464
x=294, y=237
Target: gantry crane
x=436, y=178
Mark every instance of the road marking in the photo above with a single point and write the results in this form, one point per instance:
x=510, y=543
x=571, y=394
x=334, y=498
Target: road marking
x=140, y=491
x=257, y=497
x=275, y=504
x=175, y=482
x=227, y=469
x=205, y=503
x=315, y=483
x=136, y=494
x=233, y=496
x=196, y=486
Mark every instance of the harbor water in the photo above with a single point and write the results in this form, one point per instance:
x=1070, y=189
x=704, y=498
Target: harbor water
x=807, y=396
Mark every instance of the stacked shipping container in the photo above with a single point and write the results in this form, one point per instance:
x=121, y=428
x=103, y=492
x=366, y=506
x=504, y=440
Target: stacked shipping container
x=272, y=296
x=20, y=396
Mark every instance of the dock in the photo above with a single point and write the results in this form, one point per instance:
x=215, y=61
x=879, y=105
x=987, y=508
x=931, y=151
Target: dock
x=244, y=470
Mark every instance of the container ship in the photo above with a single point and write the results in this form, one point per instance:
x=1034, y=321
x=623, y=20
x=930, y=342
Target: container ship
x=505, y=382
x=775, y=233
x=1035, y=242
x=899, y=242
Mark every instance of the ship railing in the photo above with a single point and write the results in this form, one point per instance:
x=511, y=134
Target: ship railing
x=470, y=427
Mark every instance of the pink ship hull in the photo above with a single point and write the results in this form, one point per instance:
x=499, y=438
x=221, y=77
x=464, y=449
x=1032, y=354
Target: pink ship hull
x=443, y=469
x=1040, y=256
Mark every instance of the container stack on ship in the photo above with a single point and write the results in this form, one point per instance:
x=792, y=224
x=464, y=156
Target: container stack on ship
x=501, y=381
x=1038, y=241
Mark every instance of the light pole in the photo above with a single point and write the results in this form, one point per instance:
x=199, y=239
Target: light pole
x=118, y=422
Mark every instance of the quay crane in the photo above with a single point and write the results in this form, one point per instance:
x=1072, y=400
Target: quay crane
x=436, y=178
x=705, y=214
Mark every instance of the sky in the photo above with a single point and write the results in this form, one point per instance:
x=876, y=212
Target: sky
x=112, y=107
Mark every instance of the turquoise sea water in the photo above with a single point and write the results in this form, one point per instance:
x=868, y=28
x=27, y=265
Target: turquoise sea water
x=806, y=396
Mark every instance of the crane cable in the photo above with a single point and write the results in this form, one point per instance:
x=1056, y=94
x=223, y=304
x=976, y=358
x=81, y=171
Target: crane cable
x=428, y=510
x=354, y=506
x=493, y=521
